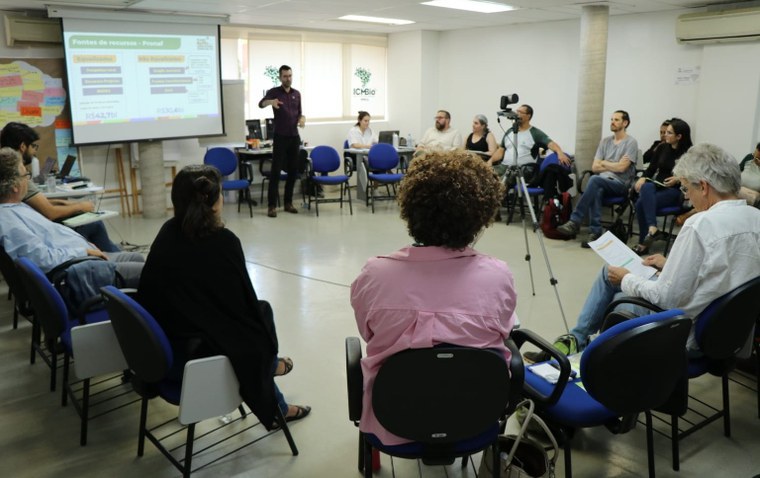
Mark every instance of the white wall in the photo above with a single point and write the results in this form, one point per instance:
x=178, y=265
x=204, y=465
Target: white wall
x=539, y=62
x=467, y=71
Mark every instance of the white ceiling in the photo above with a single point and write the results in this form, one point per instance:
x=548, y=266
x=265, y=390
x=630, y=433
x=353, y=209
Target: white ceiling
x=322, y=14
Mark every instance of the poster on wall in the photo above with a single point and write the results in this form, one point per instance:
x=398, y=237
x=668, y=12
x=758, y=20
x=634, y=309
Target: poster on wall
x=32, y=91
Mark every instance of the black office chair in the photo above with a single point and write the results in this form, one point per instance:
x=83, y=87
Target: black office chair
x=722, y=330
x=630, y=368
x=449, y=401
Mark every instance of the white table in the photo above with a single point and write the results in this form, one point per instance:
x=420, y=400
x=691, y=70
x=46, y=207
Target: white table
x=61, y=191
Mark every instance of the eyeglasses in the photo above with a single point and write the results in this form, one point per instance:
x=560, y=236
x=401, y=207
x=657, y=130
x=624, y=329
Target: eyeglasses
x=34, y=146
x=26, y=175
x=685, y=188
x=439, y=117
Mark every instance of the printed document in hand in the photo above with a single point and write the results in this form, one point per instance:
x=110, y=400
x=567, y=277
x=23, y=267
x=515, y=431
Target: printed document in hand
x=615, y=253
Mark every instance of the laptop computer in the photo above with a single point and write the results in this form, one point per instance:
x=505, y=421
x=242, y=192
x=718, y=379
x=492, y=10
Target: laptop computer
x=386, y=136
x=67, y=165
x=46, y=169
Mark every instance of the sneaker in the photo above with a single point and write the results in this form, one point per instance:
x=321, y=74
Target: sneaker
x=566, y=344
x=592, y=236
x=569, y=229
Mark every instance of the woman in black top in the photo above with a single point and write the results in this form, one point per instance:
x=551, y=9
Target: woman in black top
x=481, y=139
x=658, y=187
x=196, y=285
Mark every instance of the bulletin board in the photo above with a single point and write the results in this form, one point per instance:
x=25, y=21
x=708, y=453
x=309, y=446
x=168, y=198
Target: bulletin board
x=32, y=91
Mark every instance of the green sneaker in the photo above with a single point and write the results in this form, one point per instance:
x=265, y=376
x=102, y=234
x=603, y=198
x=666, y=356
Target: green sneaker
x=567, y=344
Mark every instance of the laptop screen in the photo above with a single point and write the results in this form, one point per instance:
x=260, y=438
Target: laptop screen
x=386, y=136
x=67, y=165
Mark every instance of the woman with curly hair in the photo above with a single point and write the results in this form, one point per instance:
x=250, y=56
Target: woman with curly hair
x=438, y=290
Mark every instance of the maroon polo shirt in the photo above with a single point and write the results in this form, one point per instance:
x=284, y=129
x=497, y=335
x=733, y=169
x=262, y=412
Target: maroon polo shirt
x=287, y=115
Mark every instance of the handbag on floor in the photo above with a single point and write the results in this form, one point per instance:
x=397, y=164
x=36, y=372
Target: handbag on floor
x=521, y=456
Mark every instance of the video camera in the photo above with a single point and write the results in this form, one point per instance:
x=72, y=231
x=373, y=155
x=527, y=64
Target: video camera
x=506, y=111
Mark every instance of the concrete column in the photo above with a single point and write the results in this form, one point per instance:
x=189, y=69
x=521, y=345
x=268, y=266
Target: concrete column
x=591, y=76
x=152, y=179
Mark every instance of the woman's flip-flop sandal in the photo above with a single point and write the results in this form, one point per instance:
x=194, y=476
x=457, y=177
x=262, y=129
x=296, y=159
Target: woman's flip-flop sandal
x=302, y=412
x=287, y=366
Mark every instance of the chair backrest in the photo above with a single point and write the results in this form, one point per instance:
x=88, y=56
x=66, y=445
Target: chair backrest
x=345, y=144
x=145, y=345
x=382, y=157
x=223, y=159
x=8, y=269
x=325, y=159
x=635, y=365
x=441, y=395
x=724, y=326
x=49, y=307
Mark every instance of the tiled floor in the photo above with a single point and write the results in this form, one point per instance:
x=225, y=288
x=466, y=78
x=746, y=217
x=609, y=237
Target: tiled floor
x=304, y=265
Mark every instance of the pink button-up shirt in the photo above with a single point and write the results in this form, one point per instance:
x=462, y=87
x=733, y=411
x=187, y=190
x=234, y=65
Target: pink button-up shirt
x=419, y=297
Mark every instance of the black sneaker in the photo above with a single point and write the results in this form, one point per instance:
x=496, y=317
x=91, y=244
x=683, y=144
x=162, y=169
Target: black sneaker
x=591, y=237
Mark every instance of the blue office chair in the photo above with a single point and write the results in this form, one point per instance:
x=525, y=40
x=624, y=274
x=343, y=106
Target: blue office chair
x=630, y=368
x=208, y=387
x=432, y=397
x=53, y=315
x=721, y=331
x=382, y=159
x=324, y=160
x=226, y=161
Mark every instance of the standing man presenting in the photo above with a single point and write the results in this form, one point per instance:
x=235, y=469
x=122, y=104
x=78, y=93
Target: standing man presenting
x=615, y=168
x=286, y=105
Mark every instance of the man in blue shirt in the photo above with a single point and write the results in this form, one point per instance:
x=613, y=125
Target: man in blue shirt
x=286, y=143
x=26, y=233
x=25, y=140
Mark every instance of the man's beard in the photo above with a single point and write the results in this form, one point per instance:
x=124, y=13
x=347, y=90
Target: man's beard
x=439, y=126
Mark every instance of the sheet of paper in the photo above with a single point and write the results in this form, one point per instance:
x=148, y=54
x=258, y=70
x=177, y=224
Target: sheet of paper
x=615, y=253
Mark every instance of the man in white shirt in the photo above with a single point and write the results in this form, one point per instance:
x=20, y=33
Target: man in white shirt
x=717, y=250
x=442, y=137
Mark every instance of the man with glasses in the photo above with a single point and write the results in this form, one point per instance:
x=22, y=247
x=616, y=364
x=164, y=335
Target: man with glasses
x=716, y=251
x=26, y=233
x=25, y=140
x=615, y=169
x=441, y=137
x=530, y=140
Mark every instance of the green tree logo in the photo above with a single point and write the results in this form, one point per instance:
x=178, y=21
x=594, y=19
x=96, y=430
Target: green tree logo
x=273, y=74
x=364, y=75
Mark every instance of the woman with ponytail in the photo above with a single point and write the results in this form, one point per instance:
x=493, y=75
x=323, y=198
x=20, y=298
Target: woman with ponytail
x=196, y=285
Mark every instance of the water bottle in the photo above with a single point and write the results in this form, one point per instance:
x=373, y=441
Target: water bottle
x=50, y=183
x=395, y=140
x=409, y=141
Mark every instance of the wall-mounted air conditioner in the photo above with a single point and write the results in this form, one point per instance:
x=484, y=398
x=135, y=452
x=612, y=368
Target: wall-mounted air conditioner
x=741, y=24
x=21, y=29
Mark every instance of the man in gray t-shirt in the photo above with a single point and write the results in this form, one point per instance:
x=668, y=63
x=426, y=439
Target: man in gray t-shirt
x=615, y=168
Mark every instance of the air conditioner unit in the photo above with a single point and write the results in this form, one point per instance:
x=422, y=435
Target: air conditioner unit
x=21, y=29
x=742, y=24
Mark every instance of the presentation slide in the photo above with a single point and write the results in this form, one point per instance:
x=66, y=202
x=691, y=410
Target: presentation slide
x=142, y=81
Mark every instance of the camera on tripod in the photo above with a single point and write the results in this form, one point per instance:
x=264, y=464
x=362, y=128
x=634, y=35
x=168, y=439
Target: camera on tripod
x=506, y=111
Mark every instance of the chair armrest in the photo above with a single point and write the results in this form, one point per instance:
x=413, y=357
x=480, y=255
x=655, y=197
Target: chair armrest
x=517, y=375
x=354, y=378
x=209, y=389
x=96, y=350
x=520, y=336
x=632, y=300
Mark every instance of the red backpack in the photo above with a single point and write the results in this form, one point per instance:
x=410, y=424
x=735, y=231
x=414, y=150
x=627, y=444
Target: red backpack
x=557, y=211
